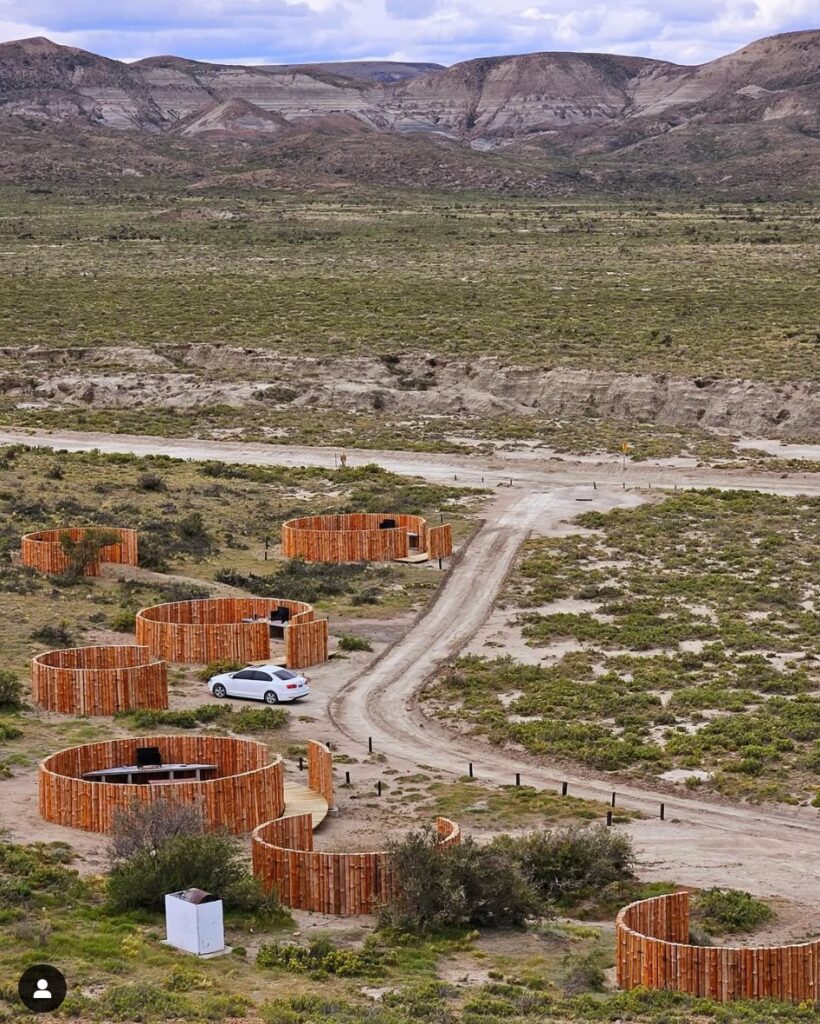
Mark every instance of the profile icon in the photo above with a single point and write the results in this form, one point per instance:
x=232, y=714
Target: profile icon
x=42, y=988
x=42, y=992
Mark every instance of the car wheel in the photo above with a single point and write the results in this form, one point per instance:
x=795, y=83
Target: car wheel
x=220, y=691
x=271, y=698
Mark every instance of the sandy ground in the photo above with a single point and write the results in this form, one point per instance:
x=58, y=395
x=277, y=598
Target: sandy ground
x=770, y=851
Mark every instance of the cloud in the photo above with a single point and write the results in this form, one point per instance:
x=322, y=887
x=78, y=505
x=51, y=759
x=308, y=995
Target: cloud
x=285, y=31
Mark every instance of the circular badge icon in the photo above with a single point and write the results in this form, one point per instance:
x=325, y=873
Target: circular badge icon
x=42, y=988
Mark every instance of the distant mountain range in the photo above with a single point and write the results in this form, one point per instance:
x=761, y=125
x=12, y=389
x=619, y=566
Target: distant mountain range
x=542, y=122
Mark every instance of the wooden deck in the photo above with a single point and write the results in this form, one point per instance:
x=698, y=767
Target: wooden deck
x=415, y=558
x=301, y=800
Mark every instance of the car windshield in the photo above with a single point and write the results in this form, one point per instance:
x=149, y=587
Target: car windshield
x=284, y=674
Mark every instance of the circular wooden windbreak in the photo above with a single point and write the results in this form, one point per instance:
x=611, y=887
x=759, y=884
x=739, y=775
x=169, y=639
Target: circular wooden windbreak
x=248, y=789
x=231, y=629
x=99, y=680
x=327, y=883
x=44, y=551
x=653, y=951
x=363, y=537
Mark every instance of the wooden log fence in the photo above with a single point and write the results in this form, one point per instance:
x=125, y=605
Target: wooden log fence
x=362, y=537
x=199, y=632
x=43, y=550
x=320, y=770
x=345, y=884
x=653, y=951
x=248, y=790
x=99, y=680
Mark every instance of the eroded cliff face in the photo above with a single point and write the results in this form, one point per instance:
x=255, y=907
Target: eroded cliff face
x=186, y=376
x=493, y=98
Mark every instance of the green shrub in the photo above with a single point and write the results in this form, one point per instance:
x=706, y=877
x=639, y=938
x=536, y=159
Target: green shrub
x=250, y=720
x=8, y=730
x=321, y=958
x=349, y=642
x=54, y=636
x=124, y=620
x=458, y=886
x=148, y=826
x=212, y=861
x=568, y=864
x=85, y=552
x=11, y=689
x=218, y=668
x=730, y=911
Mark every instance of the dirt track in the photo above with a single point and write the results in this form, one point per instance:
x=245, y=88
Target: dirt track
x=769, y=851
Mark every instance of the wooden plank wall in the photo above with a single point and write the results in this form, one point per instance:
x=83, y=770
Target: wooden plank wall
x=198, y=632
x=345, y=884
x=652, y=951
x=320, y=770
x=306, y=643
x=98, y=680
x=248, y=790
x=440, y=541
x=351, y=537
x=43, y=550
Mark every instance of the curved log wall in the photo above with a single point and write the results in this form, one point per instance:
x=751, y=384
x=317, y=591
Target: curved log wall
x=98, y=680
x=198, y=632
x=357, y=537
x=653, y=951
x=320, y=770
x=248, y=790
x=44, y=551
x=326, y=883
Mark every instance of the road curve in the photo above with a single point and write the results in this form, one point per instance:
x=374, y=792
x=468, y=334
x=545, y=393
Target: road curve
x=771, y=851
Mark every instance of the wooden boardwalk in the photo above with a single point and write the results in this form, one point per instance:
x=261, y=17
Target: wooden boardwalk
x=300, y=799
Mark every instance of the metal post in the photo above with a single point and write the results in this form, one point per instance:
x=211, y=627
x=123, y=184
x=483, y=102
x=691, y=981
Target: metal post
x=347, y=778
x=518, y=778
x=301, y=764
x=564, y=788
x=613, y=799
x=370, y=744
x=609, y=817
x=379, y=787
x=470, y=769
x=663, y=812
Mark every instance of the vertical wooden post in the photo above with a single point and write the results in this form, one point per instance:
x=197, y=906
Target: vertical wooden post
x=564, y=788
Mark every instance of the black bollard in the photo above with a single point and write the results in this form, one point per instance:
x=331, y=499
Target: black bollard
x=663, y=812
x=609, y=817
x=370, y=744
x=613, y=799
x=470, y=769
x=564, y=788
x=347, y=778
x=518, y=778
x=379, y=788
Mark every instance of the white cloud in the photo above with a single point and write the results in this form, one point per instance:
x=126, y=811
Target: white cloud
x=686, y=31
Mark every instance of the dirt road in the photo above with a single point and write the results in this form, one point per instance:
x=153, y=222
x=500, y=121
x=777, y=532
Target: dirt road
x=769, y=851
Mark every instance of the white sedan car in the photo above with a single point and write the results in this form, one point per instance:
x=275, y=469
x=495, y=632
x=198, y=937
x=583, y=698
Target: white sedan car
x=270, y=683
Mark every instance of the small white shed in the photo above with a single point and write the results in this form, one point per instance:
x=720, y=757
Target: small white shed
x=193, y=921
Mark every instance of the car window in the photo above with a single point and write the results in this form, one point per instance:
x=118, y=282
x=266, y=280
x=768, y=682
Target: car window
x=262, y=677
x=246, y=673
x=284, y=674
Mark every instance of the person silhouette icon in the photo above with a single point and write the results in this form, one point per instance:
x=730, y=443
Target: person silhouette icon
x=42, y=988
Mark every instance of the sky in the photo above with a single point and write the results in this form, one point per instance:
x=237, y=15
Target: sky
x=440, y=31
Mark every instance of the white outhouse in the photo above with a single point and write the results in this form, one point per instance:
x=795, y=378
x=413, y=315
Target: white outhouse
x=193, y=922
